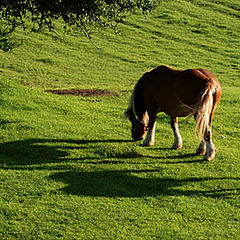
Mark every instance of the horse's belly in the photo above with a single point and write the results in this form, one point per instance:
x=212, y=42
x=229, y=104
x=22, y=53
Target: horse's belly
x=177, y=110
x=182, y=113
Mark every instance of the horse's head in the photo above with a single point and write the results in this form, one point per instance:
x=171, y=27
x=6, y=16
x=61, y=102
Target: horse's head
x=139, y=127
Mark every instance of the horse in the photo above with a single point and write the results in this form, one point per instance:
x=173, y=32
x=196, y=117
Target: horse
x=178, y=93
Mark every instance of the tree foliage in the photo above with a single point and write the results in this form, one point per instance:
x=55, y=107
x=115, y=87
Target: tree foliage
x=75, y=13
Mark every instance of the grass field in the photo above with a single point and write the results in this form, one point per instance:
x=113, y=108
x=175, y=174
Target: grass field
x=68, y=167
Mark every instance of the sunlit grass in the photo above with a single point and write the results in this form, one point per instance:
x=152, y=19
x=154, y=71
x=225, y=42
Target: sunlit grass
x=68, y=167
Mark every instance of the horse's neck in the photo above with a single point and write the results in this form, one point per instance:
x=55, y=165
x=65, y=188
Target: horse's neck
x=139, y=102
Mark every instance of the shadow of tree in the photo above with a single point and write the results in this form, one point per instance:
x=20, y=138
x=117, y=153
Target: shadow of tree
x=129, y=183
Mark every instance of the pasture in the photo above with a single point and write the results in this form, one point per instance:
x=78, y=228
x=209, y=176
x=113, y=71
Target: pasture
x=68, y=167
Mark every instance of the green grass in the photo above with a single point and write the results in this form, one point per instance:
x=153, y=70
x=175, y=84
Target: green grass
x=68, y=167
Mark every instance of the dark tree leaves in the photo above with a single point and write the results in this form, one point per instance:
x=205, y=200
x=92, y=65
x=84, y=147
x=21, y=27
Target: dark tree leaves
x=75, y=13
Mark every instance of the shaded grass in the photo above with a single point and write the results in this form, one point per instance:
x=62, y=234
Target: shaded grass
x=68, y=168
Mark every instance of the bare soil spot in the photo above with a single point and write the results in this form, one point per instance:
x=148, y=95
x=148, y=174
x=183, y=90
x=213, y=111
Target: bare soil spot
x=83, y=92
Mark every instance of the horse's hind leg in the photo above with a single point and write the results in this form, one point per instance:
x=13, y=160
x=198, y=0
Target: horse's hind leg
x=202, y=148
x=206, y=146
x=177, y=137
x=210, y=148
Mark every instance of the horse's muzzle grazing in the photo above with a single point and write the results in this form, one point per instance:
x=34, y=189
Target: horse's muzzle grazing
x=138, y=136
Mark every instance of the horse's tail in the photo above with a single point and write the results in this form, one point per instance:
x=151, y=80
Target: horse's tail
x=204, y=108
x=139, y=104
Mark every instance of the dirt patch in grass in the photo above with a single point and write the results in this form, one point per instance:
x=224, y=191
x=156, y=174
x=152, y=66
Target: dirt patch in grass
x=83, y=92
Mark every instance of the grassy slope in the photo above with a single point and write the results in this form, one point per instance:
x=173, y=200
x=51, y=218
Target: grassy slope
x=67, y=167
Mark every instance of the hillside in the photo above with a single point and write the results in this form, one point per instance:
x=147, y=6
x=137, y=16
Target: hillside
x=68, y=167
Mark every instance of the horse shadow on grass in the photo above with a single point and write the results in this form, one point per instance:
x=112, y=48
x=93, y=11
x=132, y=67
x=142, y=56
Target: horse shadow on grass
x=44, y=151
x=41, y=153
x=131, y=184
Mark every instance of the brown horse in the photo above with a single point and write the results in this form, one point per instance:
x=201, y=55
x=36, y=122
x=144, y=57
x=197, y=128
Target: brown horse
x=192, y=92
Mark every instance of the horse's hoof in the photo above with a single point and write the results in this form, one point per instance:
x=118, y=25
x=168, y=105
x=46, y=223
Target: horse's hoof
x=176, y=147
x=209, y=157
x=200, y=151
x=148, y=144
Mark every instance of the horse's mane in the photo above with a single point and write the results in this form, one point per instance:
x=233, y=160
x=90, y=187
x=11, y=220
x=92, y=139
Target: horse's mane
x=137, y=103
x=131, y=106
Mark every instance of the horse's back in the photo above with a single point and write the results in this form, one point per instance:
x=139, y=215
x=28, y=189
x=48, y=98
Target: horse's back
x=174, y=90
x=160, y=79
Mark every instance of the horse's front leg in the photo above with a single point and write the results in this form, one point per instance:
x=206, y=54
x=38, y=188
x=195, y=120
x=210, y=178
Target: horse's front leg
x=177, y=137
x=150, y=138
